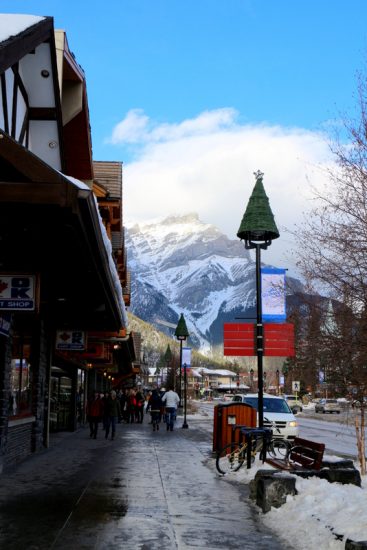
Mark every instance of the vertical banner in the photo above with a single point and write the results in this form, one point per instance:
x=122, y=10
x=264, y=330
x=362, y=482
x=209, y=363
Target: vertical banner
x=273, y=294
x=186, y=357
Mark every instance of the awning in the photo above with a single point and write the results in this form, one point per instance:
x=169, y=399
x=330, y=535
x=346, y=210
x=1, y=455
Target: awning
x=51, y=227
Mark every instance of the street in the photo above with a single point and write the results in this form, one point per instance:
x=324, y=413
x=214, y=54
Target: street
x=336, y=431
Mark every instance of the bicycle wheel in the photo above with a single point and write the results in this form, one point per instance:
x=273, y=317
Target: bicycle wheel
x=279, y=448
x=230, y=458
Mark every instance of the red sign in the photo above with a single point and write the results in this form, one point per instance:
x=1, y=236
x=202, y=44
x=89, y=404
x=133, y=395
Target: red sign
x=240, y=339
x=279, y=340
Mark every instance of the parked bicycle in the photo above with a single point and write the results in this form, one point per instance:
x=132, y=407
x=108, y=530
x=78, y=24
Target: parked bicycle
x=232, y=457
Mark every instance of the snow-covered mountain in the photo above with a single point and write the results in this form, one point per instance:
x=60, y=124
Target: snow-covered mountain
x=182, y=265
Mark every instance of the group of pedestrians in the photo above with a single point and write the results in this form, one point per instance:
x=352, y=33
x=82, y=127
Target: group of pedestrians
x=166, y=404
x=104, y=408
x=128, y=406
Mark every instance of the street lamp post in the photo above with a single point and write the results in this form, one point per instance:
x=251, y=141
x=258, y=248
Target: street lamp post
x=167, y=360
x=185, y=424
x=278, y=381
x=258, y=229
x=181, y=334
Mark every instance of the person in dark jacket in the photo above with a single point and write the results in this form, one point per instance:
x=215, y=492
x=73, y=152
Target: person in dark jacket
x=94, y=413
x=139, y=409
x=154, y=406
x=113, y=411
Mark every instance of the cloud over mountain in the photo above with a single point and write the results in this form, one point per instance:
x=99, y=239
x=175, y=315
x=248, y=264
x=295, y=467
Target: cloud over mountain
x=182, y=265
x=206, y=164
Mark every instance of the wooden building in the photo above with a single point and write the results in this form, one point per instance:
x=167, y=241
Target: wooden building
x=64, y=284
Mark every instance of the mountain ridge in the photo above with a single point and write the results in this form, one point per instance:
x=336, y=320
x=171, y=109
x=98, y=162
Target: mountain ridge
x=182, y=265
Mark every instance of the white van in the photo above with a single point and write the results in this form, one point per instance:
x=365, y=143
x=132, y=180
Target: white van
x=277, y=414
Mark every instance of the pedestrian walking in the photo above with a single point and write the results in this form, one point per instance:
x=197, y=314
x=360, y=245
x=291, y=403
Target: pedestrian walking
x=139, y=408
x=154, y=406
x=113, y=410
x=123, y=405
x=131, y=404
x=94, y=411
x=171, y=400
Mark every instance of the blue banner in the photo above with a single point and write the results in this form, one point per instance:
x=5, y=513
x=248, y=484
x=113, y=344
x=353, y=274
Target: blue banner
x=273, y=295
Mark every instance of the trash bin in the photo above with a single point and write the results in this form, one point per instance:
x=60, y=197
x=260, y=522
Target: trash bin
x=228, y=415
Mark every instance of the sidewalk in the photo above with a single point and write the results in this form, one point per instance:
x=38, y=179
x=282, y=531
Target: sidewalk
x=145, y=490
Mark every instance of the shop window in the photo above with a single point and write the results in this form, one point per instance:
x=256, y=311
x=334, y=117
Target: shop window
x=20, y=394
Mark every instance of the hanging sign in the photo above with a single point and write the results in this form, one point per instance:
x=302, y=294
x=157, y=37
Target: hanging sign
x=18, y=292
x=273, y=294
x=278, y=339
x=67, y=340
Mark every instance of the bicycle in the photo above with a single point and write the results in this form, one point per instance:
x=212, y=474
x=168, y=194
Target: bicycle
x=232, y=457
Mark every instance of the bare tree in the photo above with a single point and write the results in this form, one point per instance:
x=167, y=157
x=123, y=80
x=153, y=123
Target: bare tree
x=333, y=257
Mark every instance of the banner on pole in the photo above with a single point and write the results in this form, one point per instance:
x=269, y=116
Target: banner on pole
x=186, y=357
x=273, y=294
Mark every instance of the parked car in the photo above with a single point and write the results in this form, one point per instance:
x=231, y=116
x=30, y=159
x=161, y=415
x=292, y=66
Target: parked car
x=277, y=414
x=328, y=406
x=294, y=403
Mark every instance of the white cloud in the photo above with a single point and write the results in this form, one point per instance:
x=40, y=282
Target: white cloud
x=206, y=165
x=132, y=129
x=136, y=127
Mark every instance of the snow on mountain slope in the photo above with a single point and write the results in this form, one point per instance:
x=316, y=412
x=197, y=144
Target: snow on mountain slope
x=181, y=265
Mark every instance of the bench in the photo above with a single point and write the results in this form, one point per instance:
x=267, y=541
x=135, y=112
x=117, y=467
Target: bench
x=303, y=455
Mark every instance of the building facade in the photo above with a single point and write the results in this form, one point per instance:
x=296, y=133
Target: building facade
x=64, y=284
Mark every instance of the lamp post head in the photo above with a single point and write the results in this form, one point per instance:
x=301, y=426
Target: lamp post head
x=168, y=354
x=181, y=331
x=258, y=220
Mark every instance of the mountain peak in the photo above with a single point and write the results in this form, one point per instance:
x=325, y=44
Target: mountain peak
x=181, y=264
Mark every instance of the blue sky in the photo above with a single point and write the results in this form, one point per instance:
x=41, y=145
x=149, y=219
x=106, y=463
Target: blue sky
x=195, y=95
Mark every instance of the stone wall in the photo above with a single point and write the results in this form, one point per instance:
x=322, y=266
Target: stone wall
x=5, y=369
x=18, y=443
x=41, y=365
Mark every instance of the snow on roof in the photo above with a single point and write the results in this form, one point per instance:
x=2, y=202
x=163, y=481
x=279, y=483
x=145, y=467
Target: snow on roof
x=108, y=246
x=12, y=24
x=217, y=372
x=195, y=373
x=113, y=269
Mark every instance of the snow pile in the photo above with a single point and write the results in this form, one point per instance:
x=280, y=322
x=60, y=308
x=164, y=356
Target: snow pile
x=321, y=516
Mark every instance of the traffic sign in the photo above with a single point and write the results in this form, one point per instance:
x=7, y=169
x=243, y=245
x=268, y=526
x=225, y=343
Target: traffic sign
x=296, y=386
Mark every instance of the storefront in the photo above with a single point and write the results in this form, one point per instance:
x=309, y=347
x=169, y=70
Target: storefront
x=58, y=273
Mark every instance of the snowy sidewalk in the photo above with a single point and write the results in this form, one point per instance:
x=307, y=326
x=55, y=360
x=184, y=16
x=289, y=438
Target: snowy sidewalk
x=144, y=490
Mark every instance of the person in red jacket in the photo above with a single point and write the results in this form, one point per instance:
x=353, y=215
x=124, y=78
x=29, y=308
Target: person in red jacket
x=94, y=413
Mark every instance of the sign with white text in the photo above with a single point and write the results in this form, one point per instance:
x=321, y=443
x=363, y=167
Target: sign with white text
x=67, y=340
x=17, y=292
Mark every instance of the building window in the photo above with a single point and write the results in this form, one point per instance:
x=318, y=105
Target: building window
x=20, y=394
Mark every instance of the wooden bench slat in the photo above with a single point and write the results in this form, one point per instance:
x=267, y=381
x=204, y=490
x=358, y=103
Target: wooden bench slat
x=304, y=454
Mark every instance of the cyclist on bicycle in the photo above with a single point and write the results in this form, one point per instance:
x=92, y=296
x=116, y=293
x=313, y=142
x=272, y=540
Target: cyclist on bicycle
x=171, y=400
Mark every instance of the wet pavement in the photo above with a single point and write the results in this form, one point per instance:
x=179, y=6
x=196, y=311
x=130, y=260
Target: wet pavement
x=143, y=491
